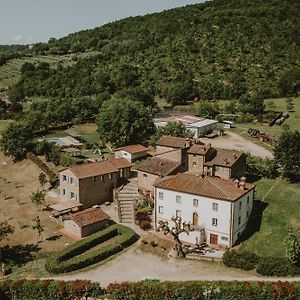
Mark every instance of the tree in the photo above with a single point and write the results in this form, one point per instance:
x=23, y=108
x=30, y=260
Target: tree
x=38, y=198
x=124, y=122
x=289, y=104
x=180, y=92
x=17, y=140
x=42, y=179
x=292, y=247
x=173, y=129
x=39, y=228
x=5, y=230
x=286, y=154
x=175, y=231
x=207, y=109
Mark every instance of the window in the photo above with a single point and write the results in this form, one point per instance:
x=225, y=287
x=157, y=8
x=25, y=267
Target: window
x=94, y=178
x=240, y=205
x=194, y=155
x=214, y=222
x=178, y=199
x=224, y=238
x=247, y=214
x=215, y=206
x=178, y=213
x=64, y=178
x=217, y=169
x=161, y=196
x=239, y=221
x=145, y=175
x=101, y=178
x=194, y=164
x=110, y=176
x=72, y=195
x=72, y=180
x=196, y=202
x=64, y=191
x=160, y=209
x=248, y=200
x=125, y=154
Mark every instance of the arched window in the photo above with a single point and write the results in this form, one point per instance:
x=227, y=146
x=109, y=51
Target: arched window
x=195, y=218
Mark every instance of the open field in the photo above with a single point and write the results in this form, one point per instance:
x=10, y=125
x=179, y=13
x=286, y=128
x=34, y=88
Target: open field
x=17, y=181
x=4, y=124
x=283, y=207
x=88, y=133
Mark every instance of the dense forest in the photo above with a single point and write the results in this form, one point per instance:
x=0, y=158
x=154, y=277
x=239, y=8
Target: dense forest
x=221, y=49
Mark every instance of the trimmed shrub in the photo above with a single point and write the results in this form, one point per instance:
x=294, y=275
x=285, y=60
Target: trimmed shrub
x=241, y=260
x=148, y=290
x=276, y=266
x=81, y=254
x=51, y=175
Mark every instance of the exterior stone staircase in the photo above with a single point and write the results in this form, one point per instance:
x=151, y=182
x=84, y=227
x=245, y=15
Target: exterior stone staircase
x=126, y=198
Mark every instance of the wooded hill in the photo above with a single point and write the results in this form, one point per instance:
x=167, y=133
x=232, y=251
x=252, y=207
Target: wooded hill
x=221, y=49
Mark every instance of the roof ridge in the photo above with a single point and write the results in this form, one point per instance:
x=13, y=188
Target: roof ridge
x=215, y=185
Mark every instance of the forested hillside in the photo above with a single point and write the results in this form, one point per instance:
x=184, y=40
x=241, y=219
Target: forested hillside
x=221, y=49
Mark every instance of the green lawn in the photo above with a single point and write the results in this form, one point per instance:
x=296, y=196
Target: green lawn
x=283, y=208
x=4, y=124
x=88, y=133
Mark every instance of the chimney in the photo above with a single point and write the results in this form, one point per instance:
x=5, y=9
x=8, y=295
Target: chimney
x=243, y=179
x=226, y=161
x=236, y=183
x=234, y=155
x=209, y=145
x=187, y=143
x=242, y=185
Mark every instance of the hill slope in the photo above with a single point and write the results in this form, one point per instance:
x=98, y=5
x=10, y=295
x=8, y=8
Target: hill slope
x=219, y=49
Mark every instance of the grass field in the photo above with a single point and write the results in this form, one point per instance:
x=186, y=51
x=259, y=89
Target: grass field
x=88, y=133
x=4, y=124
x=283, y=200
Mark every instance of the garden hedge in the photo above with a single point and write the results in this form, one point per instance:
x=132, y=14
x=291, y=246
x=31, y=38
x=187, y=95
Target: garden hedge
x=80, y=254
x=149, y=290
x=51, y=174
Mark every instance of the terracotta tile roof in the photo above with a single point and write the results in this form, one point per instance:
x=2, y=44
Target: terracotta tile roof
x=225, y=158
x=211, y=187
x=120, y=163
x=200, y=149
x=158, y=166
x=133, y=149
x=172, y=141
x=89, y=216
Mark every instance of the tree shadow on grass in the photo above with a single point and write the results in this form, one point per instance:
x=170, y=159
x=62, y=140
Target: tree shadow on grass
x=252, y=178
x=255, y=219
x=20, y=254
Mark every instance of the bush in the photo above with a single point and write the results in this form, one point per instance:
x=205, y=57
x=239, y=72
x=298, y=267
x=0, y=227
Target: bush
x=276, y=266
x=51, y=175
x=241, y=260
x=259, y=166
x=81, y=254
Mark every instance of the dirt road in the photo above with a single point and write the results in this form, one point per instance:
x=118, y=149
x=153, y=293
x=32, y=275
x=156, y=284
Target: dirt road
x=135, y=265
x=234, y=141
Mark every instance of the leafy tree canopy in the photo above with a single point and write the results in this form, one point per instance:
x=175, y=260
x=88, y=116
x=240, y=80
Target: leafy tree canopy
x=207, y=109
x=287, y=154
x=124, y=121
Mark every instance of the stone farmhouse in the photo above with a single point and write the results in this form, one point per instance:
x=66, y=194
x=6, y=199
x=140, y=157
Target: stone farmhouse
x=131, y=153
x=191, y=156
x=93, y=183
x=86, y=222
x=218, y=209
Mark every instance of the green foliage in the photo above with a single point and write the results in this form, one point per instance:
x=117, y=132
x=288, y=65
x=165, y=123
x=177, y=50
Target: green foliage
x=51, y=175
x=289, y=82
x=124, y=122
x=146, y=206
x=253, y=104
x=5, y=230
x=180, y=92
x=207, y=109
x=173, y=129
x=242, y=260
x=259, y=166
x=287, y=154
x=292, y=247
x=276, y=266
x=17, y=140
x=42, y=179
x=81, y=254
x=49, y=289
x=38, y=198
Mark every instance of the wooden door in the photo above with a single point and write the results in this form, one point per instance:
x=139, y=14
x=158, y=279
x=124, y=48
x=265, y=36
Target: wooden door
x=213, y=239
x=195, y=218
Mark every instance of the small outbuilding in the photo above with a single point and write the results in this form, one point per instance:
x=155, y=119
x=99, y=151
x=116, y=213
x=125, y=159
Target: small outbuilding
x=131, y=152
x=86, y=222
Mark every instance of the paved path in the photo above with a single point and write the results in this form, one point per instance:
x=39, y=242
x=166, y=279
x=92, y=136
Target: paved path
x=134, y=265
x=234, y=141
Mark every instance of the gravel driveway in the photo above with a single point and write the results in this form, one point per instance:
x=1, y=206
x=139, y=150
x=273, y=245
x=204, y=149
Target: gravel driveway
x=134, y=265
x=234, y=141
